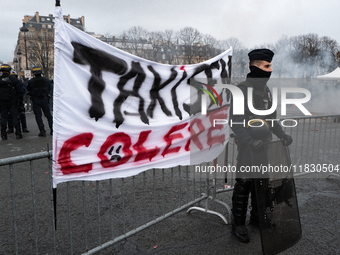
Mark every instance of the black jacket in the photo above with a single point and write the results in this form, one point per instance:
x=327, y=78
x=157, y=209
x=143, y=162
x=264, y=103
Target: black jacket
x=241, y=132
x=19, y=87
x=39, y=87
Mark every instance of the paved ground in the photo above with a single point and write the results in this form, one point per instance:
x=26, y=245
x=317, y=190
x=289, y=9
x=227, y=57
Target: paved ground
x=199, y=233
x=194, y=233
x=30, y=143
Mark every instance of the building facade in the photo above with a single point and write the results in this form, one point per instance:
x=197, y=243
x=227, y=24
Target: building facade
x=35, y=47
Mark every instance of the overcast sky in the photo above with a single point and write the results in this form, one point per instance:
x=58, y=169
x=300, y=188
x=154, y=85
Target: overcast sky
x=253, y=22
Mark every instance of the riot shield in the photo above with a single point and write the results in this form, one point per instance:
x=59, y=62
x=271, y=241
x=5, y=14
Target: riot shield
x=279, y=218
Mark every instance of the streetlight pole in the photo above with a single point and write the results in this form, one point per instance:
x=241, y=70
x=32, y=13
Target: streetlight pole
x=24, y=29
x=19, y=57
x=15, y=61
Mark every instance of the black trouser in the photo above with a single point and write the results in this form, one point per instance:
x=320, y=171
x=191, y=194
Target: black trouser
x=22, y=116
x=243, y=186
x=241, y=192
x=12, y=108
x=40, y=104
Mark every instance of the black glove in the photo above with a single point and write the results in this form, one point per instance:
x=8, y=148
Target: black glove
x=256, y=146
x=286, y=140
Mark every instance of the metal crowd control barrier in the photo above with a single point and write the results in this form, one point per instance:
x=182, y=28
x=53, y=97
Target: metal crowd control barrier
x=94, y=215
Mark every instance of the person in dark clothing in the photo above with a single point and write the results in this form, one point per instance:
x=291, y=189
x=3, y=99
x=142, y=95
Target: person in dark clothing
x=21, y=111
x=260, y=71
x=10, y=89
x=39, y=89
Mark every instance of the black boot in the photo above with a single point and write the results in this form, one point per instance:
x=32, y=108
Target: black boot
x=42, y=133
x=240, y=232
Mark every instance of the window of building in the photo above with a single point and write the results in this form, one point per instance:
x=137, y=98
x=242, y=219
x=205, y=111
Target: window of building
x=42, y=19
x=43, y=26
x=32, y=54
x=49, y=26
x=48, y=18
x=45, y=54
x=44, y=35
x=31, y=34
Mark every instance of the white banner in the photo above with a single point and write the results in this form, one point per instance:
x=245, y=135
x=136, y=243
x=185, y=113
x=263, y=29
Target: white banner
x=116, y=115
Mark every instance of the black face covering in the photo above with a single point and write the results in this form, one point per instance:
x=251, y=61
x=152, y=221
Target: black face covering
x=259, y=73
x=258, y=77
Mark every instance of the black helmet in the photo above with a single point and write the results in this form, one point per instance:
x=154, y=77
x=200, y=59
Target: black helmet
x=5, y=68
x=258, y=129
x=14, y=73
x=36, y=70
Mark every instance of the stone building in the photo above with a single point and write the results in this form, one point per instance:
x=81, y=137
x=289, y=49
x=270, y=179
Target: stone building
x=39, y=40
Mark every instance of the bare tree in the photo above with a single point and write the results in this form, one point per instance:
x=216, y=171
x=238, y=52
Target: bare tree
x=164, y=46
x=305, y=55
x=284, y=65
x=135, y=41
x=41, y=52
x=208, y=39
x=170, y=47
x=297, y=56
x=239, y=59
x=310, y=44
x=231, y=42
x=328, y=53
x=189, y=37
x=306, y=46
x=210, y=47
x=108, y=35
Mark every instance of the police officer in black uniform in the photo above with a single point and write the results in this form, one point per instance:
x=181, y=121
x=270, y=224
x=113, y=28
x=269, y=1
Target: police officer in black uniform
x=21, y=111
x=260, y=71
x=10, y=89
x=39, y=89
